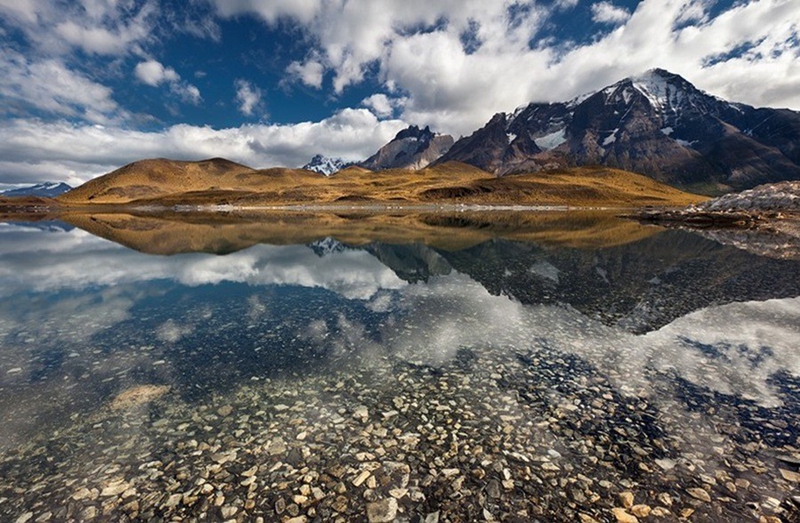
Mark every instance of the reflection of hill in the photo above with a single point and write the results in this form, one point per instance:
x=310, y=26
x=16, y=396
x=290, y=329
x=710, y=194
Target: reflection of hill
x=640, y=278
x=217, y=233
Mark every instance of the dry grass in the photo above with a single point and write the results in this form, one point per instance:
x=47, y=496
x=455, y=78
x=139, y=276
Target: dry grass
x=222, y=182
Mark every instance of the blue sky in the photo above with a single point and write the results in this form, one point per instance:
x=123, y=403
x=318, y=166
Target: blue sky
x=94, y=84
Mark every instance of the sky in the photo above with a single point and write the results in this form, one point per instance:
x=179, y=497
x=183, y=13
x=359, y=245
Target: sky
x=90, y=85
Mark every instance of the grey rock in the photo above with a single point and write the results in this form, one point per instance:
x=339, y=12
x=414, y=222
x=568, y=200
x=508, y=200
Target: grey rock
x=383, y=511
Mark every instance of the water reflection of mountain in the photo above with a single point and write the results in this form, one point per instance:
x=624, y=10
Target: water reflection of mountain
x=617, y=271
x=639, y=286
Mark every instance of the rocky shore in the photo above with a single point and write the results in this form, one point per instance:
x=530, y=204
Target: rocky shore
x=746, y=208
x=764, y=220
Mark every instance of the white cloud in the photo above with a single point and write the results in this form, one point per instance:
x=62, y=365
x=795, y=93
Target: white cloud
x=608, y=13
x=99, y=40
x=354, y=34
x=248, y=97
x=20, y=10
x=172, y=332
x=565, y=4
x=187, y=92
x=310, y=73
x=49, y=85
x=382, y=105
x=97, y=27
x=57, y=151
x=153, y=73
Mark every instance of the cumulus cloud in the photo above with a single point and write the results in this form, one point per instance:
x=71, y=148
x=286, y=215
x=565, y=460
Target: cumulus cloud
x=153, y=73
x=355, y=34
x=49, y=85
x=34, y=150
x=310, y=73
x=19, y=10
x=96, y=27
x=608, y=13
x=382, y=105
x=248, y=97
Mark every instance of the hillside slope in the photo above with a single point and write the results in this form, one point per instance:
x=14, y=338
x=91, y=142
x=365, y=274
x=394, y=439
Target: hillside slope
x=219, y=182
x=160, y=177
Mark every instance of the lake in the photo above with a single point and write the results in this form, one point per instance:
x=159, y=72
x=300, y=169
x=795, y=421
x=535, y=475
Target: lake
x=350, y=367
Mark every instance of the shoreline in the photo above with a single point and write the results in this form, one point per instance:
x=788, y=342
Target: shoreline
x=7, y=209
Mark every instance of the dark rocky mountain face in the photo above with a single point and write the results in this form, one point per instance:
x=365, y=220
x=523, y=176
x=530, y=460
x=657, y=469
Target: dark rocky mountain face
x=412, y=148
x=657, y=124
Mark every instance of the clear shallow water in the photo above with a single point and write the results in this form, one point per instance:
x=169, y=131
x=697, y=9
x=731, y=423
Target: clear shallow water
x=500, y=379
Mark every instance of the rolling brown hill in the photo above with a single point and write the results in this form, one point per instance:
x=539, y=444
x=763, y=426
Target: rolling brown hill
x=218, y=181
x=159, y=177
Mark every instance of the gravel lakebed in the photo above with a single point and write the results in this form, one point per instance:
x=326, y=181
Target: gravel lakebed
x=533, y=435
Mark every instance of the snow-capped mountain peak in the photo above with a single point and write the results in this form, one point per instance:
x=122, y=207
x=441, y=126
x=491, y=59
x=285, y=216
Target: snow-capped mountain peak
x=324, y=165
x=656, y=123
x=46, y=189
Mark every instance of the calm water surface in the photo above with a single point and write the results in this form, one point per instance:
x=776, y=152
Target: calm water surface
x=655, y=376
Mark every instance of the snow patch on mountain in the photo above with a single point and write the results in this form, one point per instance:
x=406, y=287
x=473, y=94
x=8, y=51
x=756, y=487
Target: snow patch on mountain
x=552, y=140
x=611, y=138
x=657, y=89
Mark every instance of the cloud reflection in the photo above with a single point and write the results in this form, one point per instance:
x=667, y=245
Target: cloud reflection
x=77, y=260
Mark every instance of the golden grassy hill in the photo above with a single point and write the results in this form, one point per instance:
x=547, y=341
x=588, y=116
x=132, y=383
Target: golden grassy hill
x=159, y=177
x=217, y=181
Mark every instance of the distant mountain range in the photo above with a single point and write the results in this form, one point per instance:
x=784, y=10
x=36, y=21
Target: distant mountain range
x=657, y=124
x=44, y=190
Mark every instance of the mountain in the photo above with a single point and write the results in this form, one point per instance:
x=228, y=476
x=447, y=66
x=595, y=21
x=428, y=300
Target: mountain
x=656, y=123
x=324, y=165
x=412, y=148
x=45, y=190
